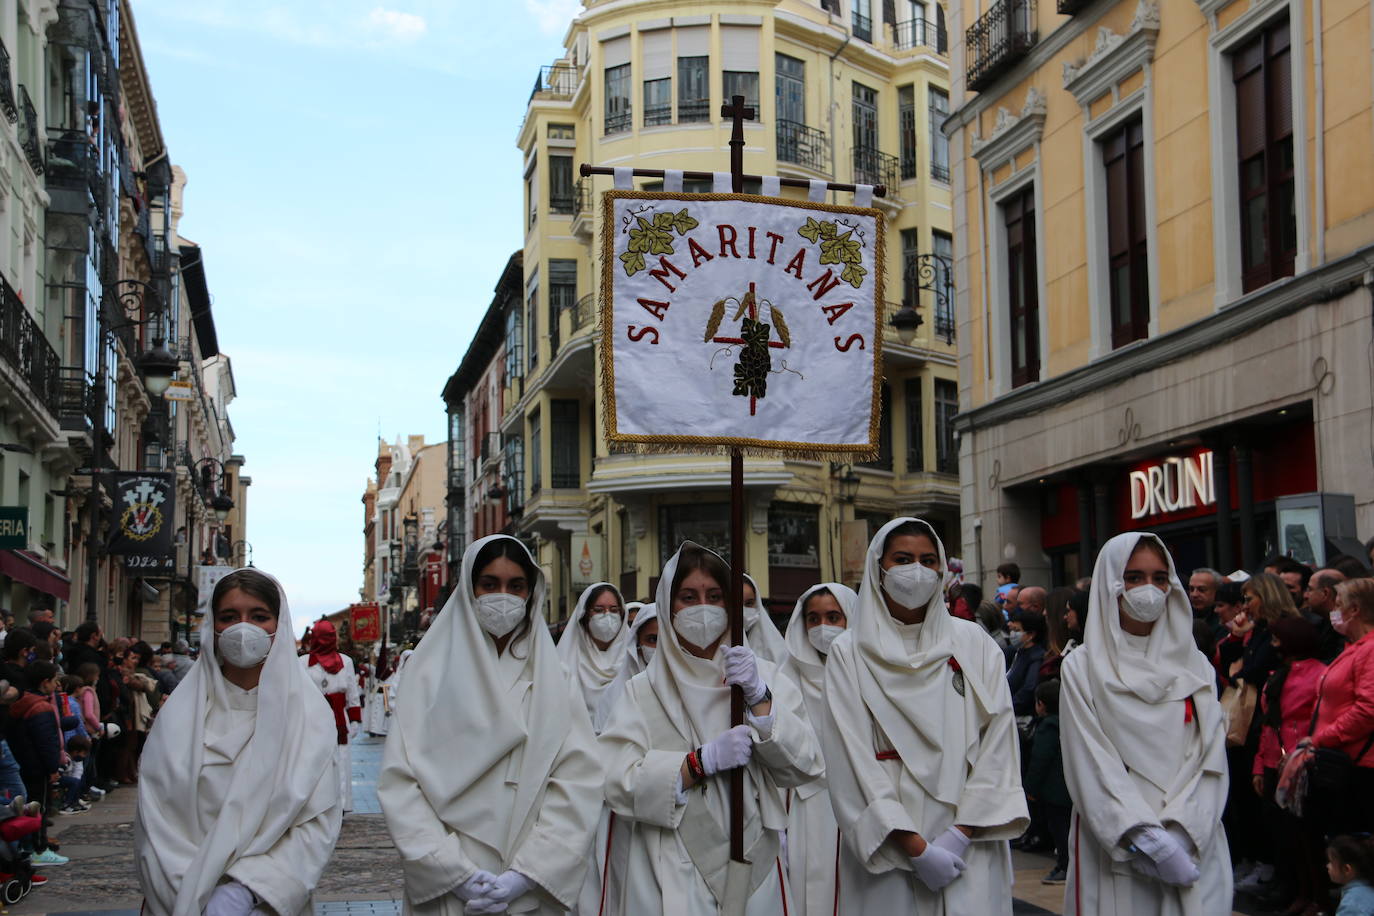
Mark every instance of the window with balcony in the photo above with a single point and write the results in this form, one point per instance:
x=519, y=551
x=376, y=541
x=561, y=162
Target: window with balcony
x=618, y=111
x=737, y=82
x=797, y=142
x=562, y=295
x=1123, y=162
x=560, y=184
x=1023, y=290
x=515, y=349
x=532, y=198
x=938, y=101
x=565, y=444
x=536, y=456
x=532, y=321
x=915, y=428
x=1260, y=71
x=883, y=461
x=658, y=102
x=999, y=39
x=942, y=246
x=911, y=283
x=562, y=132
x=693, y=89
x=906, y=128
x=946, y=407
x=513, y=474
x=862, y=16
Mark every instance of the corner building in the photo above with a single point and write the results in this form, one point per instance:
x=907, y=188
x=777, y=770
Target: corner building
x=845, y=92
x=1163, y=227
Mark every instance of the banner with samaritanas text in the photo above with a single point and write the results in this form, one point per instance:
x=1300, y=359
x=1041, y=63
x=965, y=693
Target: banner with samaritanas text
x=737, y=320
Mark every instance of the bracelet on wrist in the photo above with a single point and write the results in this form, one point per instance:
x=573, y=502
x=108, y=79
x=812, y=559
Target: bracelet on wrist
x=694, y=766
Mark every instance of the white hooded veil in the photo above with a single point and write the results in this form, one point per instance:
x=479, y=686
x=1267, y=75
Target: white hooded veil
x=590, y=669
x=804, y=659
x=759, y=629
x=282, y=774
x=630, y=665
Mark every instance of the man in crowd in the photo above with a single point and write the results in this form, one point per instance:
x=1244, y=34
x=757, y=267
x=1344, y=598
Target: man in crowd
x=1031, y=600
x=1295, y=577
x=1320, y=601
x=1202, y=595
x=181, y=660
x=41, y=615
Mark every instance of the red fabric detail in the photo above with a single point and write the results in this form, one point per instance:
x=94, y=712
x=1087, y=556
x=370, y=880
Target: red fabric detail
x=836, y=911
x=1189, y=710
x=606, y=868
x=355, y=714
x=782, y=886
x=887, y=755
x=324, y=647
x=336, y=702
x=18, y=827
x=1346, y=717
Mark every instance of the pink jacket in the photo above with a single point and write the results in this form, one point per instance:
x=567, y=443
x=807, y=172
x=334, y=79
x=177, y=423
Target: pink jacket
x=1346, y=717
x=90, y=709
x=1295, y=705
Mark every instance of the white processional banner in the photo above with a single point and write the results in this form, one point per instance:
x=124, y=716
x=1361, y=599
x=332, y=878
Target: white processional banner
x=737, y=320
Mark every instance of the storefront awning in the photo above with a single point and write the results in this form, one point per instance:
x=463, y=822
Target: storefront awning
x=25, y=567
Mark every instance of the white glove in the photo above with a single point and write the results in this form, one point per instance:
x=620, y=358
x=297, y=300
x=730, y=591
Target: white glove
x=731, y=749
x=353, y=729
x=937, y=866
x=741, y=668
x=231, y=899
x=953, y=841
x=500, y=893
x=1160, y=856
x=480, y=882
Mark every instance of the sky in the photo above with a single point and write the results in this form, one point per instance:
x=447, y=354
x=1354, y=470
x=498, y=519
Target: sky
x=353, y=180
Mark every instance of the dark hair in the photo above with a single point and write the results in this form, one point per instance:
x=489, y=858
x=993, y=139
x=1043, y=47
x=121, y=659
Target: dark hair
x=17, y=642
x=818, y=593
x=1290, y=565
x=78, y=744
x=1297, y=635
x=252, y=582
x=38, y=672
x=1079, y=602
x=913, y=528
x=1357, y=852
x=1055, y=607
x=42, y=630
x=1047, y=692
x=596, y=593
x=143, y=652
x=89, y=672
x=990, y=616
x=1012, y=571
x=1204, y=637
x=1229, y=593
x=692, y=556
x=511, y=549
x=972, y=594
x=1034, y=624
x=71, y=683
x=85, y=631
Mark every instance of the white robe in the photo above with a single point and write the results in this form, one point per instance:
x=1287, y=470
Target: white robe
x=959, y=761
x=343, y=681
x=1138, y=753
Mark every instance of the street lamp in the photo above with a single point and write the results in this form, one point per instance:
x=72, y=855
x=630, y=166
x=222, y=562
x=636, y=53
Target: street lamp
x=848, y=483
x=157, y=364
x=242, y=550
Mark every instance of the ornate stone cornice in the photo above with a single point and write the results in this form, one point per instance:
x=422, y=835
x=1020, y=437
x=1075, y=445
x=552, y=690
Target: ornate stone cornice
x=1114, y=57
x=1012, y=133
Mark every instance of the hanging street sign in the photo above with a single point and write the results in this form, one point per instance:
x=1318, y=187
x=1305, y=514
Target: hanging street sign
x=143, y=517
x=737, y=320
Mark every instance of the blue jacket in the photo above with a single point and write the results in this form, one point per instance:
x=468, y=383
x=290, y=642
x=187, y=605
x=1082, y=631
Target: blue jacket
x=1023, y=676
x=1357, y=899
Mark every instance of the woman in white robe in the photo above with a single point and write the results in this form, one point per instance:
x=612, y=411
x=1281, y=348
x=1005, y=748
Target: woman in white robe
x=238, y=800
x=593, y=645
x=1144, y=747
x=759, y=629
x=490, y=783
x=920, y=743
x=388, y=691
x=669, y=748
x=814, y=849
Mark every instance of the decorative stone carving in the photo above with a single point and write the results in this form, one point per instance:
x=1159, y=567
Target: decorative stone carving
x=1012, y=133
x=1114, y=56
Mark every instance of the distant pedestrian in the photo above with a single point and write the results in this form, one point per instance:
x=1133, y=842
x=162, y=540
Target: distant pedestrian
x=332, y=672
x=238, y=804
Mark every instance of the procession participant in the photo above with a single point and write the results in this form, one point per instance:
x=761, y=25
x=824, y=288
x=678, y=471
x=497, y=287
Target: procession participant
x=759, y=629
x=815, y=852
x=643, y=642
x=594, y=643
x=238, y=801
x=920, y=742
x=1144, y=747
x=669, y=748
x=332, y=672
x=392, y=692
x=490, y=783
x=632, y=608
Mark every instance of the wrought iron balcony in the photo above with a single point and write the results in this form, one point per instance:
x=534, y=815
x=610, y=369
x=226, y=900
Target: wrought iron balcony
x=694, y=110
x=803, y=145
x=74, y=163
x=655, y=115
x=7, y=102
x=75, y=399
x=863, y=27
x=27, y=351
x=874, y=167
x=920, y=33
x=1072, y=7
x=558, y=80
x=619, y=122
x=939, y=171
x=28, y=132
x=998, y=40
x=582, y=198
x=584, y=313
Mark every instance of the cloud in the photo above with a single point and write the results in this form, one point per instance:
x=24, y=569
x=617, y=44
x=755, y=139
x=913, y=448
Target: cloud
x=397, y=25
x=553, y=16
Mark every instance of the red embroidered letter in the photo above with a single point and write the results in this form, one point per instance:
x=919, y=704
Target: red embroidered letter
x=843, y=348
x=832, y=312
x=826, y=281
x=661, y=273
x=637, y=334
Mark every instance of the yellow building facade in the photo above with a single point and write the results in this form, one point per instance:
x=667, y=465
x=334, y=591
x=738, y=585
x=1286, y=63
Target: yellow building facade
x=841, y=93
x=1164, y=213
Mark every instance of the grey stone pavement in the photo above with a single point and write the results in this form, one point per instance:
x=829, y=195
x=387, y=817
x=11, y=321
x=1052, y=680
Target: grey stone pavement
x=363, y=878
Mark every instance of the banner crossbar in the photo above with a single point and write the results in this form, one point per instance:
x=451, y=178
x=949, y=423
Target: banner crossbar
x=586, y=170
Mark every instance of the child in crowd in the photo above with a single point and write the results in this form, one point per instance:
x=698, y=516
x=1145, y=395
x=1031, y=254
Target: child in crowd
x=1044, y=780
x=1350, y=863
x=78, y=749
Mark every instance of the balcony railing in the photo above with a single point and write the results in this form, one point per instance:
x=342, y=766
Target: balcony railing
x=874, y=167
x=1072, y=7
x=939, y=171
x=584, y=313
x=582, y=198
x=919, y=33
x=998, y=40
x=803, y=145
x=933, y=273
x=693, y=110
x=28, y=132
x=619, y=122
x=655, y=115
x=7, y=102
x=558, y=80
x=863, y=27
x=75, y=399
x=26, y=350
x=74, y=163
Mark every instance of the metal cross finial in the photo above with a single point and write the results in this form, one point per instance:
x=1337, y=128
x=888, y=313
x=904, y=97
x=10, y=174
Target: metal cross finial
x=737, y=111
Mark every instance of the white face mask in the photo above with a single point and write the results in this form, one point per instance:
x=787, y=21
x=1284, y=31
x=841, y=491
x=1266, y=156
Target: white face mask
x=1016, y=638
x=700, y=624
x=911, y=585
x=647, y=653
x=1144, y=603
x=244, y=645
x=751, y=616
x=604, y=626
x=1338, y=621
x=822, y=635
x=498, y=613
